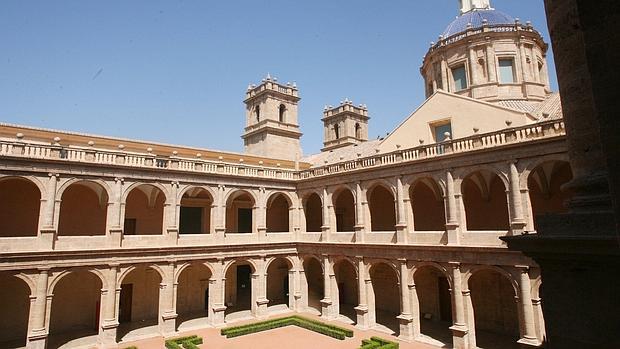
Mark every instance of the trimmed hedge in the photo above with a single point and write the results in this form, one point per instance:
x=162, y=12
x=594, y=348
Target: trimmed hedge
x=309, y=324
x=378, y=343
x=189, y=342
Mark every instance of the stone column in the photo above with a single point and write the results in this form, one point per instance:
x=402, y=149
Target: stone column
x=452, y=224
x=517, y=222
x=117, y=219
x=217, y=289
x=296, y=290
x=359, y=213
x=405, y=318
x=491, y=64
x=326, y=302
x=326, y=228
x=472, y=66
x=459, y=327
x=260, y=277
x=529, y=328
x=261, y=215
x=171, y=208
x=220, y=216
x=444, y=75
x=401, y=222
x=362, y=308
x=415, y=309
x=47, y=236
x=109, y=323
x=37, y=338
x=167, y=301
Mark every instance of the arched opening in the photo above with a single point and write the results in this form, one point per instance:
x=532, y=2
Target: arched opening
x=386, y=296
x=193, y=296
x=239, y=290
x=240, y=213
x=337, y=131
x=278, y=214
x=282, y=113
x=346, y=280
x=139, y=301
x=144, y=211
x=344, y=208
x=313, y=277
x=75, y=309
x=19, y=208
x=257, y=113
x=313, y=213
x=195, y=212
x=83, y=210
x=358, y=131
x=382, y=209
x=484, y=197
x=14, y=310
x=278, y=284
x=545, y=187
x=495, y=310
x=435, y=304
x=427, y=205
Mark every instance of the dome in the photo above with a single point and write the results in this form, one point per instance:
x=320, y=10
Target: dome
x=476, y=17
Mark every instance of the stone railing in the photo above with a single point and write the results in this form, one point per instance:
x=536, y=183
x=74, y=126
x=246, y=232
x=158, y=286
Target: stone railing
x=20, y=148
x=38, y=150
x=503, y=28
x=546, y=129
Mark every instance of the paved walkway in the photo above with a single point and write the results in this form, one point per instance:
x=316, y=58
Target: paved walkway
x=290, y=337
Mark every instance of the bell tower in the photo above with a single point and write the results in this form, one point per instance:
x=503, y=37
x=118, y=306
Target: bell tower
x=344, y=125
x=271, y=127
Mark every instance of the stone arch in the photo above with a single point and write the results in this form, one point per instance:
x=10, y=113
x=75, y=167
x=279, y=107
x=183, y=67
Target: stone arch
x=195, y=203
x=241, y=208
x=249, y=261
x=76, y=303
x=427, y=204
x=139, y=301
x=20, y=207
x=83, y=207
x=474, y=269
x=34, y=179
x=347, y=297
x=279, y=281
x=382, y=206
x=526, y=166
x=313, y=282
x=279, y=206
x=493, y=168
x=144, y=209
x=55, y=278
x=193, y=280
x=485, y=201
x=239, y=285
x=135, y=185
x=191, y=187
x=385, y=294
x=433, y=303
x=126, y=271
x=545, y=183
x=15, y=296
x=493, y=293
x=313, y=211
x=343, y=201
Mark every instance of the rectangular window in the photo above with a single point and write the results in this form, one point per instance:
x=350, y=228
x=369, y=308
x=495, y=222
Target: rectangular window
x=190, y=220
x=439, y=131
x=244, y=220
x=506, y=71
x=460, y=78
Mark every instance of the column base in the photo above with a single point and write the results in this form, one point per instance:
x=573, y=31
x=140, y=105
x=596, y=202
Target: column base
x=167, y=326
x=262, y=233
x=218, y=316
x=362, y=317
x=115, y=238
x=460, y=338
x=37, y=341
x=261, y=308
x=107, y=336
x=325, y=307
x=401, y=233
x=529, y=343
x=325, y=233
x=173, y=236
x=453, y=232
x=517, y=228
x=47, y=238
x=406, y=327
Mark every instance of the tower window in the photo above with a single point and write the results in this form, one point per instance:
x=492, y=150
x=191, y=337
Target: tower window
x=442, y=131
x=337, y=131
x=282, y=113
x=257, y=113
x=460, y=78
x=358, y=131
x=506, y=71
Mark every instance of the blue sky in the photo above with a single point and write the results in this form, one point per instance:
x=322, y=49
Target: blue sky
x=176, y=71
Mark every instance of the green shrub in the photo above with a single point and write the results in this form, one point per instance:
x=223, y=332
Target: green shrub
x=378, y=343
x=309, y=324
x=131, y=347
x=188, y=342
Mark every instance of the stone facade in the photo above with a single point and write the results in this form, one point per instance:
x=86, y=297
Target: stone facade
x=398, y=235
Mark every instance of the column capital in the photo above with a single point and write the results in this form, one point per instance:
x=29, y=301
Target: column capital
x=455, y=265
x=119, y=179
x=523, y=268
x=51, y=174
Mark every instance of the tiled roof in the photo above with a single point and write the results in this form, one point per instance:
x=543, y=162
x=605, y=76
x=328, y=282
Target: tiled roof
x=550, y=108
x=476, y=17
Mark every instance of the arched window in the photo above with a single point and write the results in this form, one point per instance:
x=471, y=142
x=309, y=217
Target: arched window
x=337, y=131
x=282, y=112
x=257, y=113
x=358, y=131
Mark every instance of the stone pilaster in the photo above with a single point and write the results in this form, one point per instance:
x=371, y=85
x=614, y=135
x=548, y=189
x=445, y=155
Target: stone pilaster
x=362, y=308
x=452, y=223
x=459, y=326
x=405, y=318
x=37, y=338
